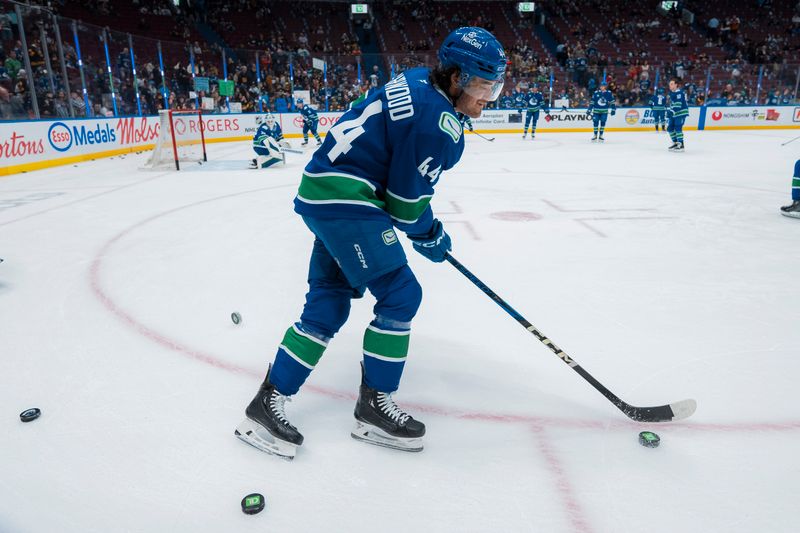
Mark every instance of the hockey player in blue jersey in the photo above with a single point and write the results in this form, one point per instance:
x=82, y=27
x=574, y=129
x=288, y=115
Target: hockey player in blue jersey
x=602, y=102
x=310, y=122
x=658, y=106
x=793, y=209
x=466, y=122
x=534, y=102
x=677, y=111
x=375, y=174
x=267, y=143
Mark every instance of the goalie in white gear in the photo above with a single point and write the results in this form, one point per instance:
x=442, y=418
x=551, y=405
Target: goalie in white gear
x=267, y=143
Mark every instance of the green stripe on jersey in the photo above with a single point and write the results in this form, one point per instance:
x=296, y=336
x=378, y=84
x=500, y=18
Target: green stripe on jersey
x=332, y=188
x=389, y=344
x=405, y=209
x=303, y=347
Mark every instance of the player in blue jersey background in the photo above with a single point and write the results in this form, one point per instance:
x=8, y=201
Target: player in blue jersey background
x=602, y=103
x=310, y=121
x=793, y=209
x=267, y=143
x=534, y=103
x=658, y=106
x=375, y=174
x=677, y=112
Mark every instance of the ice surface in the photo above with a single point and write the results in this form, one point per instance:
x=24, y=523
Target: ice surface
x=667, y=276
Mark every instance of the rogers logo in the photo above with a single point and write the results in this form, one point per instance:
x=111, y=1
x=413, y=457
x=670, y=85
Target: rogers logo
x=716, y=115
x=59, y=136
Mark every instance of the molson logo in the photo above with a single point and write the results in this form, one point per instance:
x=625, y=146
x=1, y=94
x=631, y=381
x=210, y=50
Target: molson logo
x=131, y=132
x=632, y=117
x=62, y=138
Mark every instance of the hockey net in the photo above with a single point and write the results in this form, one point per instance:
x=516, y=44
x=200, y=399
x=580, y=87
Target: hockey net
x=181, y=140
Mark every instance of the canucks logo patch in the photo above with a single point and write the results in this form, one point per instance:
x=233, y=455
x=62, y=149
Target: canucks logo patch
x=449, y=124
x=389, y=237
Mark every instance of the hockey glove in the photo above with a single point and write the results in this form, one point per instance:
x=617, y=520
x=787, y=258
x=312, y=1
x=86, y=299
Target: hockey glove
x=589, y=114
x=613, y=112
x=434, y=245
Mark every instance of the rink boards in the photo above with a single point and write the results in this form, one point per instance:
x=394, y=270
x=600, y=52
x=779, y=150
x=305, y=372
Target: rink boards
x=31, y=145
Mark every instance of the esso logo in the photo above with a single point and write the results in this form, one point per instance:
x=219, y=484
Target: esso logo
x=632, y=117
x=716, y=115
x=59, y=136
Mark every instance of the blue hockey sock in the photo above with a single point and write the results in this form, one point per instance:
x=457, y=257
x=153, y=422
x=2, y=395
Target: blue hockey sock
x=298, y=354
x=385, y=352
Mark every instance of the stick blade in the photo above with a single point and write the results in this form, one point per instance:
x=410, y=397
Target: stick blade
x=683, y=409
x=662, y=413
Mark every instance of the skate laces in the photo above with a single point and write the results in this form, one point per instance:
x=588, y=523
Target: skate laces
x=387, y=405
x=276, y=405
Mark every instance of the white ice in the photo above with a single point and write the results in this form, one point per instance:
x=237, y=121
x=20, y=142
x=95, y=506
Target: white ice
x=667, y=276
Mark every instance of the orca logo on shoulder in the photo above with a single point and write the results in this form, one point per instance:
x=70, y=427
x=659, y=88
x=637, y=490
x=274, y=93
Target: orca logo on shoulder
x=59, y=136
x=449, y=124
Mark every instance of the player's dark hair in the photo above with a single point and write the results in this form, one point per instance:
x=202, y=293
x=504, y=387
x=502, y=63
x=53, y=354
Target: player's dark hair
x=442, y=77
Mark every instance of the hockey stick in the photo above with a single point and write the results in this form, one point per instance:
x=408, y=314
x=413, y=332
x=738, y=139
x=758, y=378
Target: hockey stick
x=661, y=413
x=490, y=139
x=787, y=142
x=291, y=151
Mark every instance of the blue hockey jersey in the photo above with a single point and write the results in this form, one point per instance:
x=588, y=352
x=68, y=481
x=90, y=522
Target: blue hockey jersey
x=677, y=104
x=536, y=102
x=308, y=114
x=384, y=156
x=601, y=102
x=264, y=131
x=658, y=102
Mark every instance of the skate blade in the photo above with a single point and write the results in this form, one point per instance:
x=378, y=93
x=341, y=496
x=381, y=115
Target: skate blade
x=374, y=435
x=793, y=214
x=258, y=437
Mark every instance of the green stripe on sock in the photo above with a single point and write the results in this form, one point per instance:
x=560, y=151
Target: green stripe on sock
x=309, y=351
x=386, y=344
x=795, y=182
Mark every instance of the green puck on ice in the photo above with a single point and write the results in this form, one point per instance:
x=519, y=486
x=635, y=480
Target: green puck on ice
x=253, y=503
x=30, y=414
x=236, y=317
x=649, y=439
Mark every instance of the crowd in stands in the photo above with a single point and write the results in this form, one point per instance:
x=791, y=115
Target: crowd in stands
x=268, y=49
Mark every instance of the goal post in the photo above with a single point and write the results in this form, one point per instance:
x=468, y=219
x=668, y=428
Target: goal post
x=181, y=139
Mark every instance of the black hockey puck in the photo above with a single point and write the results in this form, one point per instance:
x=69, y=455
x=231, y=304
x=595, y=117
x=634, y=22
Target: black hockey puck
x=31, y=414
x=253, y=503
x=649, y=439
x=236, y=317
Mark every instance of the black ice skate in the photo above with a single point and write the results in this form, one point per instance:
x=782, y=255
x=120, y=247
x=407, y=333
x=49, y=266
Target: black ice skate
x=253, y=164
x=304, y=143
x=266, y=426
x=792, y=210
x=594, y=138
x=319, y=143
x=679, y=148
x=673, y=147
x=380, y=421
x=524, y=134
x=601, y=139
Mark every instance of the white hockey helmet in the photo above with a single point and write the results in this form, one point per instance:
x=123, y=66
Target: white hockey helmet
x=270, y=120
